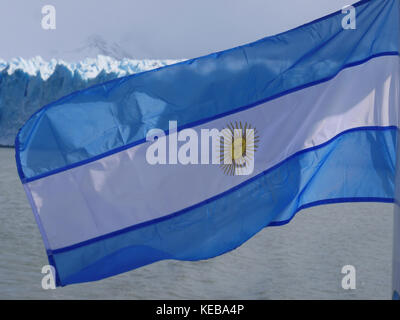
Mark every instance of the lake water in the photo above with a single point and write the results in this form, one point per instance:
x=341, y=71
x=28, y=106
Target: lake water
x=301, y=260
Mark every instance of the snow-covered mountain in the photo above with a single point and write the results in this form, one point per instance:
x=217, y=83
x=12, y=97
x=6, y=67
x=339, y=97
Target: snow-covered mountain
x=27, y=85
x=96, y=45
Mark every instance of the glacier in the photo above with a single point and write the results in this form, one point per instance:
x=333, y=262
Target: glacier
x=28, y=84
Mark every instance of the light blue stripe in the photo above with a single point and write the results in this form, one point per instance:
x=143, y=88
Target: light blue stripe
x=358, y=165
x=112, y=116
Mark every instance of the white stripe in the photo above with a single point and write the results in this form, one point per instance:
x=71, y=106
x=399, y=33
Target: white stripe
x=122, y=190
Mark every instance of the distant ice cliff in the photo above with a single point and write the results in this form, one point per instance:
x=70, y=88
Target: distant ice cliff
x=27, y=85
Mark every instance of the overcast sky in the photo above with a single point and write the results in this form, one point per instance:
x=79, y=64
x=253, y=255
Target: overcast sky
x=148, y=28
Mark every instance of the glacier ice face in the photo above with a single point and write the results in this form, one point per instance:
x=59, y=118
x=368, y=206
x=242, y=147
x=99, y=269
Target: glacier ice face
x=27, y=85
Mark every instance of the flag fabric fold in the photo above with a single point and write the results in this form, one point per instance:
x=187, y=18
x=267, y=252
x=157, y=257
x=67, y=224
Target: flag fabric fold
x=324, y=104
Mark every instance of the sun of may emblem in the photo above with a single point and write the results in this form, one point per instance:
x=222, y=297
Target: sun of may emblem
x=238, y=144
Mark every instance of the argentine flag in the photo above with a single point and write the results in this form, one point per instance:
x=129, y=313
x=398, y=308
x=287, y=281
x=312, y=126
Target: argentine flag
x=129, y=172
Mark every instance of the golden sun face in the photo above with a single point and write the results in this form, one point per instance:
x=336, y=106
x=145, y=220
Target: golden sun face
x=238, y=148
x=238, y=144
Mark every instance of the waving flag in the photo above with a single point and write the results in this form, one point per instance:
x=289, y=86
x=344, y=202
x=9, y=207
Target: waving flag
x=120, y=175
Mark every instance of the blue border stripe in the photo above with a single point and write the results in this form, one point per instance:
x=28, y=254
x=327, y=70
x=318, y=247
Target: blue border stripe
x=67, y=281
x=189, y=125
x=183, y=211
x=331, y=201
